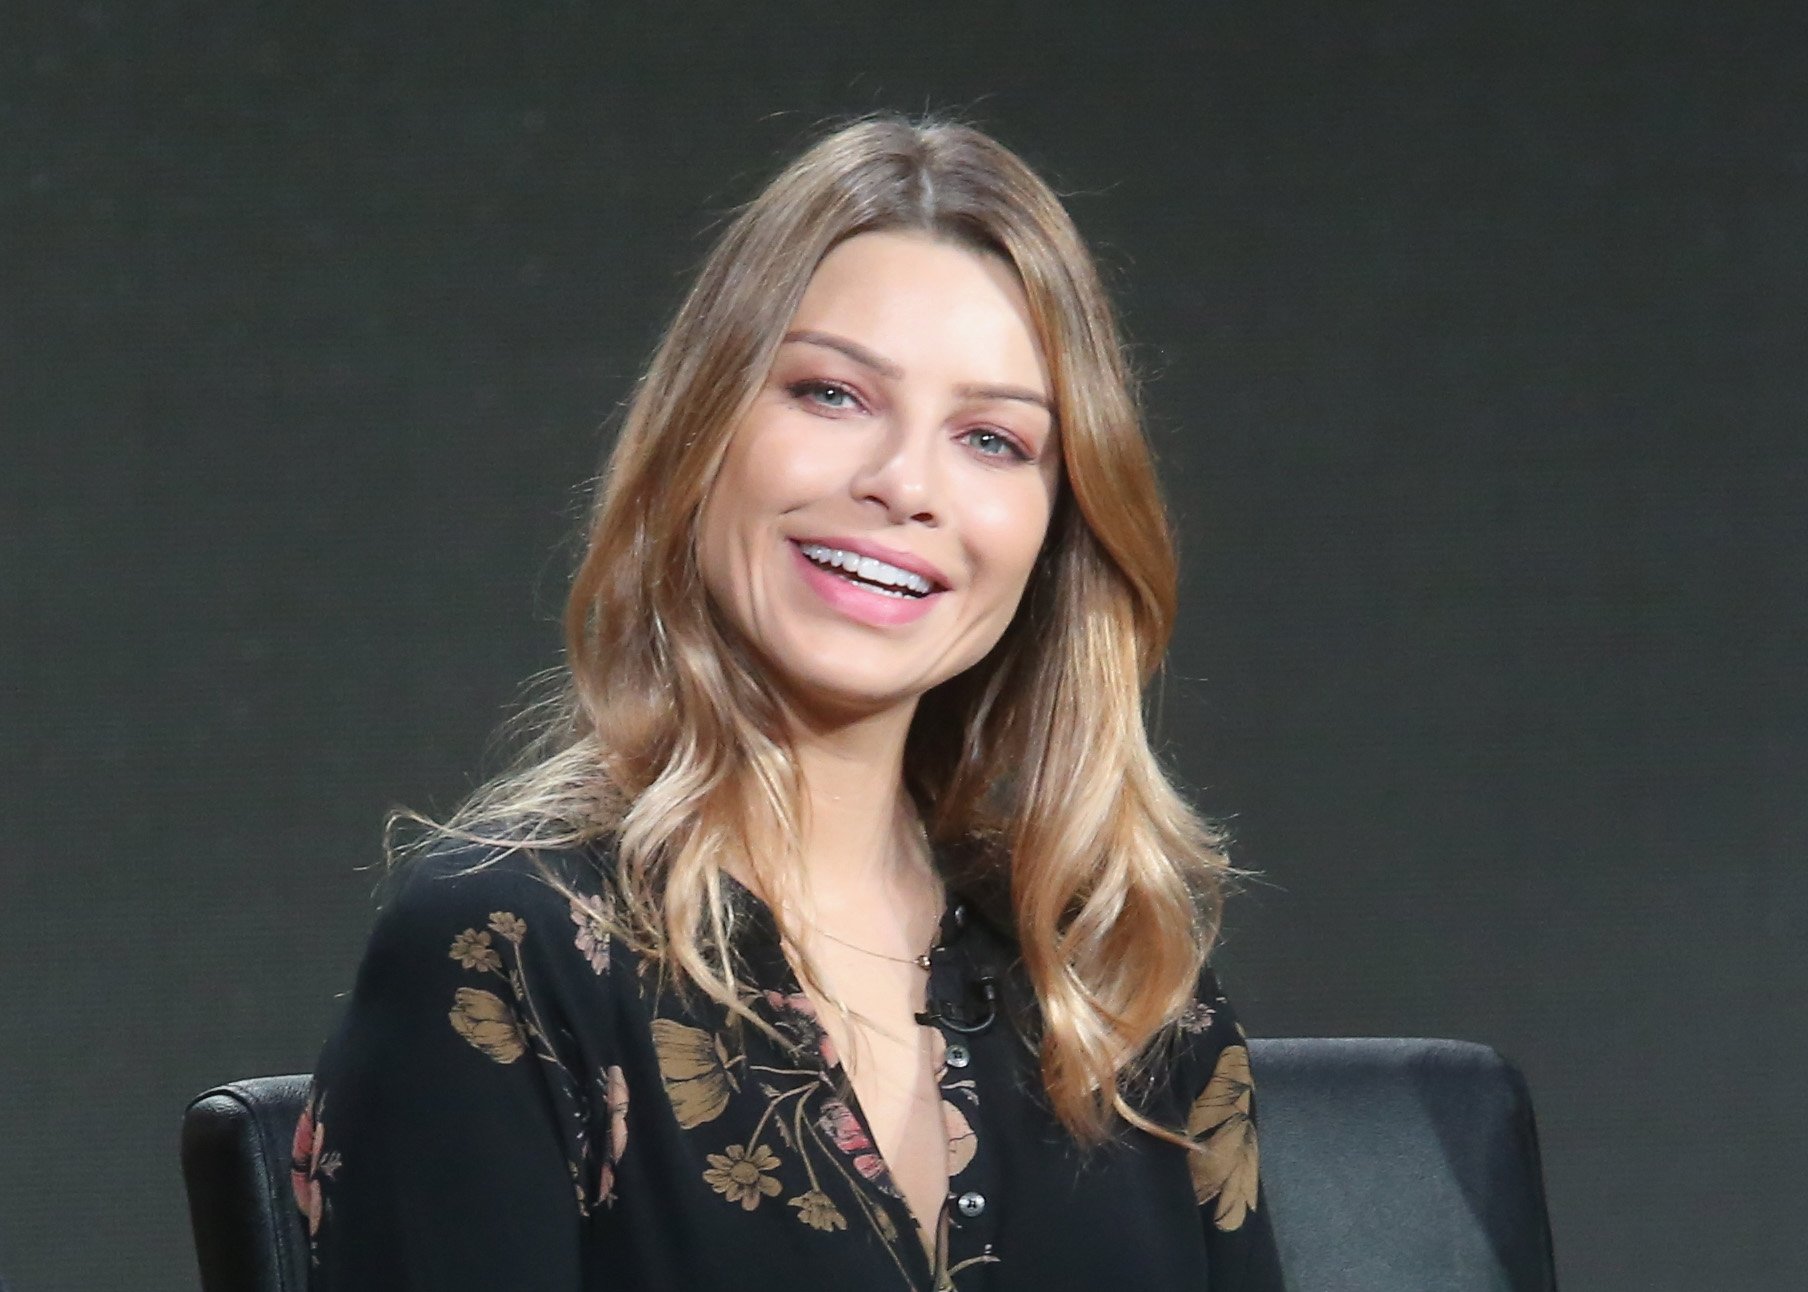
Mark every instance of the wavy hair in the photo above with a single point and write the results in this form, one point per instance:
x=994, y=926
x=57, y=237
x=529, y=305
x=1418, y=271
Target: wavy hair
x=667, y=742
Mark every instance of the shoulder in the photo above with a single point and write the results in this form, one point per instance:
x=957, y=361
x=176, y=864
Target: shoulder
x=455, y=891
x=1217, y=1093
x=509, y=946
x=1210, y=1045
x=458, y=872
x=1209, y=1015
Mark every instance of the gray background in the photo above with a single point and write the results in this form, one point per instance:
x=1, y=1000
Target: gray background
x=1474, y=338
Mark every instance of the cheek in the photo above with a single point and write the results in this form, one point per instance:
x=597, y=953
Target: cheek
x=723, y=541
x=712, y=549
x=1007, y=531
x=734, y=502
x=774, y=466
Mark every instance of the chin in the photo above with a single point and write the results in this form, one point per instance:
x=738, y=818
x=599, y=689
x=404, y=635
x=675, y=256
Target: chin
x=843, y=702
x=838, y=695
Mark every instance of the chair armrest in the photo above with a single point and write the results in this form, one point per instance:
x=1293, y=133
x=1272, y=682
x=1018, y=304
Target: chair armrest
x=236, y=1144
x=1396, y=1164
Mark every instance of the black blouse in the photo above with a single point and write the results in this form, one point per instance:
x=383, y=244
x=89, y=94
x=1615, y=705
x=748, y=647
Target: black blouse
x=514, y=1100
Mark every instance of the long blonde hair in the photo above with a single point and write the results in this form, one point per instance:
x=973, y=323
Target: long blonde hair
x=668, y=743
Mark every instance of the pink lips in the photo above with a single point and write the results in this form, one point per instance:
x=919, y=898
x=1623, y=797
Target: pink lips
x=863, y=604
x=879, y=552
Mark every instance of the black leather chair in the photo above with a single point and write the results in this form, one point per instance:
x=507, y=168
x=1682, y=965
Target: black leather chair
x=1396, y=1165
x=237, y=1141
x=1390, y=1165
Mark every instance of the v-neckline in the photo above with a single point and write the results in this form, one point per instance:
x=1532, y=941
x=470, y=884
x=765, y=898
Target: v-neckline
x=765, y=955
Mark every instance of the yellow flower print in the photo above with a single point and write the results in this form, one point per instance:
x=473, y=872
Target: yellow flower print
x=473, y=950
x=887, y=1230
x=1225, y=1169
x=693, y=1065
x=509, y=925
x=817, y=1210
x=485, y=1020
x=741, y=1176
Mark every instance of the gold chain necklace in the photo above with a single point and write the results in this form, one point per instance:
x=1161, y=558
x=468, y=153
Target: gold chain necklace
x=921, y=962
x=918, y=961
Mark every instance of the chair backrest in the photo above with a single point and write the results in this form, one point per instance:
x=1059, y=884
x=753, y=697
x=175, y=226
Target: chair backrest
x=1395, y=1165
x=237, y=1141
x=1389, y=1165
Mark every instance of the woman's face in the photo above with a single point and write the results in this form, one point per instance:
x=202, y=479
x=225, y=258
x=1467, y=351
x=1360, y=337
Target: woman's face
x=880, y=508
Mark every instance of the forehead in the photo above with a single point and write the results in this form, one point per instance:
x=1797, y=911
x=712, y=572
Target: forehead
x=927, y=304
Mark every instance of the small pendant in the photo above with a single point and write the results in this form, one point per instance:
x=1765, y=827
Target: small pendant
x=922, y=961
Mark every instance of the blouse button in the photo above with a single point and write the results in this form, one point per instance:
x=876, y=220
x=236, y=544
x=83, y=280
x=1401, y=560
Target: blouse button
x=971, y=1204
x=958, y=1055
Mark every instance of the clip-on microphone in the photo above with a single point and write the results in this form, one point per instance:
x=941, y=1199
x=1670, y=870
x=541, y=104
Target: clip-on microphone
x=940, y=1012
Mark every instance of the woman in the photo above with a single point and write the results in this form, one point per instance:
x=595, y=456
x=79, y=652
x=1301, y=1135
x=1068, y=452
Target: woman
x=842, y=930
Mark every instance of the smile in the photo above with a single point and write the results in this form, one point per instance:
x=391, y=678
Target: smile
x=869, y=571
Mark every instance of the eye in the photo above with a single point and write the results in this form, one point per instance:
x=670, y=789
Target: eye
x=995, y=444
x=826, y=394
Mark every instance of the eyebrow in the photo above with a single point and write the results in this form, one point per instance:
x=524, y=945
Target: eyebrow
x=886, y=368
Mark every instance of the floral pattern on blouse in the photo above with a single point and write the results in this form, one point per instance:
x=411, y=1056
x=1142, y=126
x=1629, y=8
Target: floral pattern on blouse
x=1225, y=1172
x=507, y=1028
x=664, y=1128
x=310, y=1167
x=804, y=1113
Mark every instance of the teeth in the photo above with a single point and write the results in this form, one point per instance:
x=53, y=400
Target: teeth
x=866, y=567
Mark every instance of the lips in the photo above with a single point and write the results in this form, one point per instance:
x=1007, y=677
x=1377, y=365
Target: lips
x=860, y=602
x=868, y=571
x=879, y=552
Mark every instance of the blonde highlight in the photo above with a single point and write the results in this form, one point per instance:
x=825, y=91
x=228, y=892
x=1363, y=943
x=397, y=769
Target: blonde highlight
x=668, y=745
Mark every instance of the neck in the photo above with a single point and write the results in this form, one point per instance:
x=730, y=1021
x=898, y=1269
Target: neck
x=860, y=833
x=862, y=863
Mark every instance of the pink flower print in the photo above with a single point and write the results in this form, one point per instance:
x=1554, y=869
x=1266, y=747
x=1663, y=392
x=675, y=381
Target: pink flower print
x=308, y=1165
x=616, y=1100
x=1196, y=1018
x=302, y=1157
x=841, y=1126
x=593, y=934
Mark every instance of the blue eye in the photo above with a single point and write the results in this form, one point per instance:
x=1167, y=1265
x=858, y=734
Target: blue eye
x=822, y=392
x=993, y=444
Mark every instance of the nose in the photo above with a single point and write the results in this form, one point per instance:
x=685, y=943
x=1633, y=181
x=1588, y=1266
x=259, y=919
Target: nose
x=900, y=474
